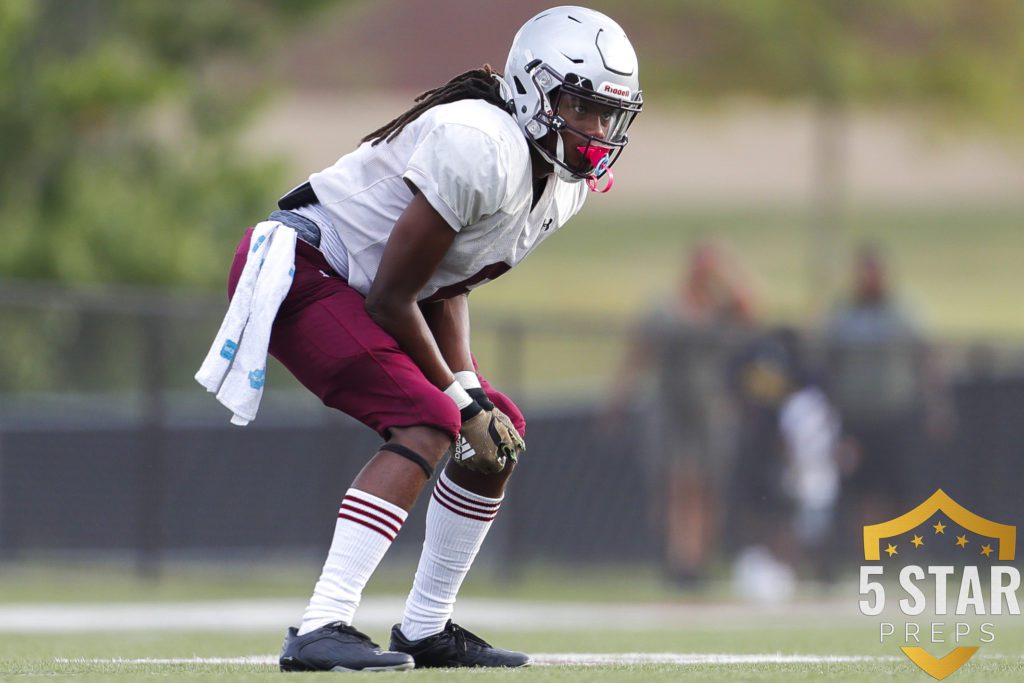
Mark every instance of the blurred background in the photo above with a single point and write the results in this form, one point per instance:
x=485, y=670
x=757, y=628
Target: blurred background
x=798, y=312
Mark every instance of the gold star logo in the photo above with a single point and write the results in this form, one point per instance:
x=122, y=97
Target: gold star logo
x=995, y=540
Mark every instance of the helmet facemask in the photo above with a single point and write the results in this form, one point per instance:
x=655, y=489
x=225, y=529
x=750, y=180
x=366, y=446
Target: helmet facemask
x=569, y=103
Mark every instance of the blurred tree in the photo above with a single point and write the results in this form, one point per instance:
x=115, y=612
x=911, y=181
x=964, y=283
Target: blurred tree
x=957, y=59
x=118, y=155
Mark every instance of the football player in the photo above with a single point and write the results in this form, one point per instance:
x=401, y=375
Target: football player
x=392, y=238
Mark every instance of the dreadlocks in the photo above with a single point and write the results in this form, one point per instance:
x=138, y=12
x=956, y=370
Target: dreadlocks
x=476, y=84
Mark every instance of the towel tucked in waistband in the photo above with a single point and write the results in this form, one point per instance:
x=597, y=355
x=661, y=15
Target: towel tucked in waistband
x=235, y=368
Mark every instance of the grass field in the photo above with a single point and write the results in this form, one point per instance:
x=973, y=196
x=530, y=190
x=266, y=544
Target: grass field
x=68, y=658
x=690, y=637
x=88, y=656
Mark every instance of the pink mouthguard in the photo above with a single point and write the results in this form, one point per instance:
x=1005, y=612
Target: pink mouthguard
x=598, y=158
x=595, y=155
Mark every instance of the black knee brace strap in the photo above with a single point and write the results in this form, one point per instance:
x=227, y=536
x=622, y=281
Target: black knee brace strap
x=409, y=454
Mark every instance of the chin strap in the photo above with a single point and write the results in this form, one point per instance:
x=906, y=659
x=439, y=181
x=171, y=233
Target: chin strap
x=559, y=160
x=506, y=94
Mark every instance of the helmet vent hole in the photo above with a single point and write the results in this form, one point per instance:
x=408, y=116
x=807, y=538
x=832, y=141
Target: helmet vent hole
x=520, y=88
x=524, y=108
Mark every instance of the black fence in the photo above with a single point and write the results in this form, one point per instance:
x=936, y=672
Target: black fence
x=217, y=490
x=107, y=445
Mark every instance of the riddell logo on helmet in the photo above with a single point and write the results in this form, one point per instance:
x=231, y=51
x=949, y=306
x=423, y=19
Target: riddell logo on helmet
x=616, y=90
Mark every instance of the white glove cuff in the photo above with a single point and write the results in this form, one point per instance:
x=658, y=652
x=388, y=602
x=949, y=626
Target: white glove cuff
x=468, y=379
x=458, y=395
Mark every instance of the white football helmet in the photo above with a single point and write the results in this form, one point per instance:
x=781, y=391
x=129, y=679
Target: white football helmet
x=574, y=51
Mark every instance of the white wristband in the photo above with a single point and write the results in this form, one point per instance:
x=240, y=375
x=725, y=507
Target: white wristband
x=457, y=394
x=467, y=379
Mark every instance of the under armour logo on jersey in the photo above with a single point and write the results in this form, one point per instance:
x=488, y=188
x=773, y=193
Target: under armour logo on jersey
x=547, y=224
x=324, y=274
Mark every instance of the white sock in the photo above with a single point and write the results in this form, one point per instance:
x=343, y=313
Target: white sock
x=457, y=522
x=366, y=527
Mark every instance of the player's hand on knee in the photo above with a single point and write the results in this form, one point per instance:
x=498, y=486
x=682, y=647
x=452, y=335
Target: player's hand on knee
x=518, y=445
x=487, y=439
x=485, y=445
x=480, y=396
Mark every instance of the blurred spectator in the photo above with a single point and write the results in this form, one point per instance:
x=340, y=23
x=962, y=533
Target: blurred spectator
x=887, y=388
x=714, y=290
x=785, y=481
x=682, y=342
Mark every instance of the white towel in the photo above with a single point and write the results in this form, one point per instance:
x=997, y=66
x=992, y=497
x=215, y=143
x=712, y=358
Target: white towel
x=235, y=369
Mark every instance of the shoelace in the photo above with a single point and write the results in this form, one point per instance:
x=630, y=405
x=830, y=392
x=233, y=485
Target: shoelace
x=461, y=635
x=351, y=630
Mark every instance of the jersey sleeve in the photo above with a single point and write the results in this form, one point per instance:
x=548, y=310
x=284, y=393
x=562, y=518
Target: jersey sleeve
x=460, y=171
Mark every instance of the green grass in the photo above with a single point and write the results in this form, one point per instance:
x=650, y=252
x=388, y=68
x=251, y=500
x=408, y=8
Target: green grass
x=33, y=656
x=38, y=655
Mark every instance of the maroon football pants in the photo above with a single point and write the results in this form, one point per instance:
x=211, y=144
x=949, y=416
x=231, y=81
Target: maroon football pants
x=325, y=337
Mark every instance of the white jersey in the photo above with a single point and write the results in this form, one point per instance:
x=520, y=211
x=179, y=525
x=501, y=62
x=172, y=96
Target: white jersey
x=472, y=163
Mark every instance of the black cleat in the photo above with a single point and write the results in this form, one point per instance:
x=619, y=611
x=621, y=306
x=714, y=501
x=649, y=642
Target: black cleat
x=338, y=647
x=454, y=647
